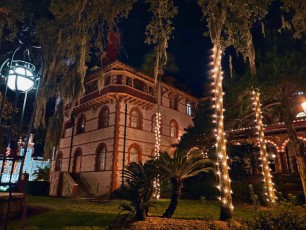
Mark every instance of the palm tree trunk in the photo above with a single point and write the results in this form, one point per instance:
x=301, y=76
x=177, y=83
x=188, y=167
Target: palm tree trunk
x=298, y=146
x=140, y=212
x=176, y=193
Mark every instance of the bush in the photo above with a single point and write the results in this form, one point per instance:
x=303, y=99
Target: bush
x=254, y=199
x=38, y=188
x=282, y=216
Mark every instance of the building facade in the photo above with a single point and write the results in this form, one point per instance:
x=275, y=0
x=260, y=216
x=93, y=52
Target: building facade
x=114, y=124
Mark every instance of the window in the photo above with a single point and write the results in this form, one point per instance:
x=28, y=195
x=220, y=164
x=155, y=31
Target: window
x=173, y=129
x=173, y=103
x=117, y=79
x=77, y=161
x=94, y=86
x=129, y=81
x=188, y=109
x=151, y=91
x=103, y=117
x=107, y=81
x=135, y=119
x=134, y=155
x=87, y=89
x=80, y=125
x=139, y=85
x=58, y=163
x=101, y=158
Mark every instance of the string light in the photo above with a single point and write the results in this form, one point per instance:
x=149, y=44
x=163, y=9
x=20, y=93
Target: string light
x=268, y=184
x=156, y=183
x=222, y=165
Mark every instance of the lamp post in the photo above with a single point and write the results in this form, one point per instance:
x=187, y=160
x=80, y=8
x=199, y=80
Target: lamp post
x=22, y=71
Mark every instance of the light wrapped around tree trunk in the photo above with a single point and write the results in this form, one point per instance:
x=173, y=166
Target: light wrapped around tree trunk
x=268, y=184
x=224, y=180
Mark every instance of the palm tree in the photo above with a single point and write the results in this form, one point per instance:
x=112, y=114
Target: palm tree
x=178, y=168
x=138, y=188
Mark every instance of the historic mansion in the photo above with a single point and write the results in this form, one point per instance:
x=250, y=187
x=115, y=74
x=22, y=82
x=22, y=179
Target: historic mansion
x=113, y=125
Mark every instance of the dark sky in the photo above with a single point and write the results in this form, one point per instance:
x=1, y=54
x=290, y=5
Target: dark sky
x=188, y=45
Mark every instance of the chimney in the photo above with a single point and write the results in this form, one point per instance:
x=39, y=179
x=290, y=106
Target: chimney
x=113, y=44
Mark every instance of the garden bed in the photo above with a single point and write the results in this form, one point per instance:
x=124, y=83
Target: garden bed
x=164, y=223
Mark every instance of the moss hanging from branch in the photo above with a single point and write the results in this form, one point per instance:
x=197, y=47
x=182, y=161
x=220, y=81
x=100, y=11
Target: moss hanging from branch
x=159, y=30
x=77, y=26
x=230, y=23
x=54, y=131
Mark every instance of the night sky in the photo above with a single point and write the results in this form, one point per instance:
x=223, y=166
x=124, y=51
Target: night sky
x=188, y=45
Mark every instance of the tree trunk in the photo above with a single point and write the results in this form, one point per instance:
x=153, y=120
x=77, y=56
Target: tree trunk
x=176, y=192
x=140, y=210
x=298, y=146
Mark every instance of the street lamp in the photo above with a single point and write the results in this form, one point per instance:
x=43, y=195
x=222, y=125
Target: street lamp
x=304, y=106
x=21, y=71
x=21, y=76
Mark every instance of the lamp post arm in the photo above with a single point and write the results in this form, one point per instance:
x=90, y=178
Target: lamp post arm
x=3, y=96
x=31, y=120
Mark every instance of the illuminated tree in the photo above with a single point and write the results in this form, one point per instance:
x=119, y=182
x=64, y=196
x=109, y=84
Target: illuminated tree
x=158, y=33
x=281, y=75
x=229, y=24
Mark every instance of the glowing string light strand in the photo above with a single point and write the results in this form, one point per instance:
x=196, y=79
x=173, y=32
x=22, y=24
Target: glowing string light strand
x=268, y=184
x=222, y=165
x=156, y=182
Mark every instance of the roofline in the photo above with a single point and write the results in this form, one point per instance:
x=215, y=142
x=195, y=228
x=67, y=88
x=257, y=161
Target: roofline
x=145, y=76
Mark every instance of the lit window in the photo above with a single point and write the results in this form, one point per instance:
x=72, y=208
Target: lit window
x=104, y=118
x=100, y=158
x=134, y=155
x=173, y=129
x=81, y=125
x=135, y=119
x=188, y=109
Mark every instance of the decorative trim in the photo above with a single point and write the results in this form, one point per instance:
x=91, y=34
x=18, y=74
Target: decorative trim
x=116, y=145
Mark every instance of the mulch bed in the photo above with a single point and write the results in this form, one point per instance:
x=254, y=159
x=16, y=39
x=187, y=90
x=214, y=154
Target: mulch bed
x=168, y=224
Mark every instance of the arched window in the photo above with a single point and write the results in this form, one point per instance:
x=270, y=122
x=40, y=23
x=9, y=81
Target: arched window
x=77, y=160
x=81, y=125
x=173, y=129
x=134, y=153
x=58, y=162
x=100, y=158
x=135, y=118
x=103, y=117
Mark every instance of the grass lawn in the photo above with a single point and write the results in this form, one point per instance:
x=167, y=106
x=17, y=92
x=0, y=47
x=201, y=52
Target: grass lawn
x=58, y=213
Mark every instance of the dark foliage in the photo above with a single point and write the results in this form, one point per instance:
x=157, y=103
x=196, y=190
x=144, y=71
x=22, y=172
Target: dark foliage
x=282, y=216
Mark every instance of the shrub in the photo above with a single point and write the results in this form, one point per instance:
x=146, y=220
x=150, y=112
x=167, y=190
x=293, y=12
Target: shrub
x=38, y=188
x=253, y=197
x=282, y=216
